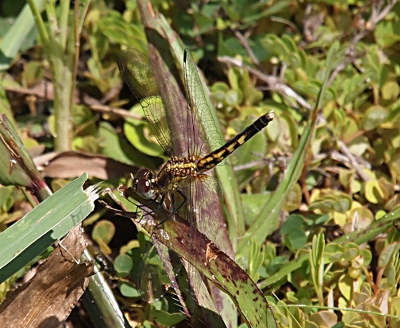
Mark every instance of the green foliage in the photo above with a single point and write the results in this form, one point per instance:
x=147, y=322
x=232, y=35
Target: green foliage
x=311, y=209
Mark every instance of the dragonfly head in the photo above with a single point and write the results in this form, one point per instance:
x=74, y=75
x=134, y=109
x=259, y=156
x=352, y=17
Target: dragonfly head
x=143, y=183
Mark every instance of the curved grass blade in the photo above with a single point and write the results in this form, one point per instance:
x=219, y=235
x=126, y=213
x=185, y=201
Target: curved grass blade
x=17, y=168
x=16, y=165
x=45, y=224
x=263, y=227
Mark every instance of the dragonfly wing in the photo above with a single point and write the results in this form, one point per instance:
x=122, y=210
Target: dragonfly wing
x=172, y=267
x=199, y=287
x=204, y=208
x=203, y=211
x=163, y=113
x=151, y=280
x=201, y=121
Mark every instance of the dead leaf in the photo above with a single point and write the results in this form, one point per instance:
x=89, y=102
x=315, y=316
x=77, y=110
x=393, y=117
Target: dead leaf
x=72, y=164
x=49, y=297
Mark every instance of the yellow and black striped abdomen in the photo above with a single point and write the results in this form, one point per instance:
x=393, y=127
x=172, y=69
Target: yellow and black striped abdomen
x=218, y=155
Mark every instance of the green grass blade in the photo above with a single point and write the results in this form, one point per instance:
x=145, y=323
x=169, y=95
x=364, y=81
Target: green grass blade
x=45, y=224
x=268, y=219
x=14, y=40
x=16, y=165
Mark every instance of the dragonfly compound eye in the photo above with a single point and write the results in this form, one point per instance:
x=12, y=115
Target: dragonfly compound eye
x=143, y=188
x=143, y=173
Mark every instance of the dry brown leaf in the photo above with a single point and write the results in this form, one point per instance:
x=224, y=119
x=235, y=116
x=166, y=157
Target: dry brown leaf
x=72, y=164
x=49, y=297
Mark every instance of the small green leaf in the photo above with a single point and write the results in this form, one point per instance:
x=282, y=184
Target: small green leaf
x=374, y=192
x=138, y=133
x=334, y=252
x=118, y=148
x=293, y=199
x=345, y=286
x=390, y=90
x=324, y=318
x=339, y=202
x=128, y=290
x=374, y=116
x=167, y=319
x=387, y=254
x=103, y=230
x=252, y=204
x=233, y=98
x=351, y=252
x=359, y=145
x=294, y=236
x=123, y=264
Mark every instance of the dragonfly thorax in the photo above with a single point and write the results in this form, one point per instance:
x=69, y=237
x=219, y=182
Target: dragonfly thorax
x=176, y=172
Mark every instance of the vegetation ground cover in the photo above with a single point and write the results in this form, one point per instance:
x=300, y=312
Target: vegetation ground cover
x=331, y=256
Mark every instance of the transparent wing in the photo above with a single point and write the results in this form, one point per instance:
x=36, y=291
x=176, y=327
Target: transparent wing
x=205, y=205
x=158, y=268
x=151, y=280
x=164, y=114
x=203, y=211
x=200, y=120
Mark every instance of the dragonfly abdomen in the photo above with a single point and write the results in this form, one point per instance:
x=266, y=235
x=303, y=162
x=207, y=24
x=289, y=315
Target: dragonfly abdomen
x=218, y=155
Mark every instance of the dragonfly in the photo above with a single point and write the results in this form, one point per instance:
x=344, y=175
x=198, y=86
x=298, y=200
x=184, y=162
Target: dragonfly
x=182, y=183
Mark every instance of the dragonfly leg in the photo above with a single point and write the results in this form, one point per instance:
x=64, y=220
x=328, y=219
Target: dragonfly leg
x=184, y=199
x=174, y=209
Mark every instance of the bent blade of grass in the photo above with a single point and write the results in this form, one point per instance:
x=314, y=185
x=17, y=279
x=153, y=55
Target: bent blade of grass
x=268, y=219
x=16, y=165
x=48, y=222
